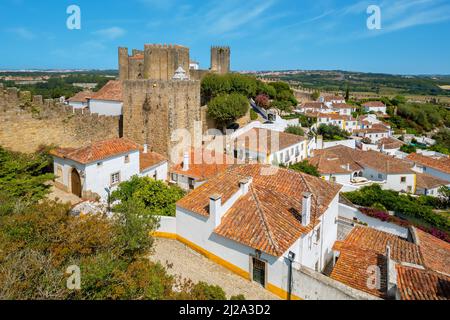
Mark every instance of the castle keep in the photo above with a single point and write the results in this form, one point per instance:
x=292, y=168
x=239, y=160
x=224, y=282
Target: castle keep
x=161, y=94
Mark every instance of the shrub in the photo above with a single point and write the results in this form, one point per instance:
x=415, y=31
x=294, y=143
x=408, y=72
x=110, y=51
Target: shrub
x=226, y=109
x=297, y=130
x=253, y=115
x=204, y=291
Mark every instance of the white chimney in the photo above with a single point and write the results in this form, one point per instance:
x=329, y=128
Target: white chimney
x=145, y=148
x=215, y=209
x=348, y=166
x=306, y=208
x=186, y=160
x=244, y=185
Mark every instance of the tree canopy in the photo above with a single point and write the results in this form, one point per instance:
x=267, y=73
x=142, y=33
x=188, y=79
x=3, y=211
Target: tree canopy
x=227, y=108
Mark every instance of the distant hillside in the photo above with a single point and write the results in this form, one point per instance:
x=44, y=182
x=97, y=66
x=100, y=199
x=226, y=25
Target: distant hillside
x=383, y=84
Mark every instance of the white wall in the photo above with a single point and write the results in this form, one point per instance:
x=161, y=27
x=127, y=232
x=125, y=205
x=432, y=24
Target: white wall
x=347, y=143
x=167, y=225
x=393, y=181
x=436, y=173
x=392, y=228
x=99, y=177
x=104, y=107
x=77, y=104
x=160, y=169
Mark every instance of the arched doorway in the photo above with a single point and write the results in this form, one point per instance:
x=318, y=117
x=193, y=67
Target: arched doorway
x=76, y=183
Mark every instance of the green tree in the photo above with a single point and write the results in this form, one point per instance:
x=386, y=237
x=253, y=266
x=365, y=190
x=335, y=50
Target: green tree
x=315, y=95
x=297, y=130
x=151, y=196
x=305, y=167
x=331, y=132
x=226, y=109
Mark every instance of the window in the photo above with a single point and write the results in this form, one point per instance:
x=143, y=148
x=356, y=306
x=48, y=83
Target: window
x=191, y=183
x=380, y=176
x=174, y=177
x=99, y=164
x=333, y=179
x=318, y=235
x=115, y=178
x=59, y=173
x=127, y=159
x=403, y=179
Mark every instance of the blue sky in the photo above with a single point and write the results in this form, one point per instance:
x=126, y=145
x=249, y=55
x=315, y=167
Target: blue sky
x=264, y=35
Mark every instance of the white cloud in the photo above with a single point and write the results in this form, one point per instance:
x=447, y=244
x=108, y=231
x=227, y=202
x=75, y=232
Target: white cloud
x=111, y=33
x=22, y=32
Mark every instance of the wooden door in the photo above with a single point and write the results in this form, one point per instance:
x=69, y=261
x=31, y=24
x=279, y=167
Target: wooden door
x=76, y=183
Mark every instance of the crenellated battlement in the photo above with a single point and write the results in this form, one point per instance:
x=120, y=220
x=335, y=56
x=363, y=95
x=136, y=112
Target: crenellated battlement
x=27, y=121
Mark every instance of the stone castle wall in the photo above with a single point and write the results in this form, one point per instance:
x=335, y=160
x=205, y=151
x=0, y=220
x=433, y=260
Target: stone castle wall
x=220, y=60
x=28, y=122
x=153, y=110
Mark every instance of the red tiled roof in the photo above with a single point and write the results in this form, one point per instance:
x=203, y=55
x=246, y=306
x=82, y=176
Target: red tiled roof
x=334, y=98
x=416, y=284
x=437, y=164
x=268, y=217
x=390, y=143
x=314, y=105
x=260, y=140
x=81, y=96
x=336, y=116
x=150, y=159
x=204, y=164
x=112, y=91
x=426, y=181
x=374, y=104
x=97, y=151
x=376, y=240
x=341, y=106
x=435, y=252
x=360, y=159
x=353, y=269
x=137, y=57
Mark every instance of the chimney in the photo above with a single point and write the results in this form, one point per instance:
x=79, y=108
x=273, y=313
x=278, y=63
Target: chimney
x=215, y=209
x=348, y=166
x=244, y=185
x=186, y=160
x=145, y=148
x=306, y=208
x=391, y=274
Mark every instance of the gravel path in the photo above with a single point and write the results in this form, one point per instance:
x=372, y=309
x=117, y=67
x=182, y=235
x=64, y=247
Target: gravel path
x=189, y=264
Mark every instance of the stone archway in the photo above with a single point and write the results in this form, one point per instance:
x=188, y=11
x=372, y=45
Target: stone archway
x=76, y=183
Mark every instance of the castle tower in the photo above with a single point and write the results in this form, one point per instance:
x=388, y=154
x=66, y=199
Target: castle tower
x=220, y=59
x=154, y=109
x=161, y=61
x=123, y=63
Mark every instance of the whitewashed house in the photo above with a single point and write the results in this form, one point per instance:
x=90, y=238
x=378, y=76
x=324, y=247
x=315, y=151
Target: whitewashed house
x=80, y=100
x=270, y=147
x=355, y=168
x=344, y=122
x=436, y=167
x=313, y=107
x=91, y=172
x=375, y=107
x=429, y=186
x=108, y=100
x=343, y=109
x=198, y=166
x=330, y=100
x=253, y=218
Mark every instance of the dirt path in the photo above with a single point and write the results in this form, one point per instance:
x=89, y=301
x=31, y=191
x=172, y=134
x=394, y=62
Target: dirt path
x=189, y=264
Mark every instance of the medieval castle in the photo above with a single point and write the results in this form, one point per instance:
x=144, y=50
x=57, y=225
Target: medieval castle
x=160, y=94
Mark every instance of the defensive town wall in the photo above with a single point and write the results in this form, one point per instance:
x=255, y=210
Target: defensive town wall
x=28, y=122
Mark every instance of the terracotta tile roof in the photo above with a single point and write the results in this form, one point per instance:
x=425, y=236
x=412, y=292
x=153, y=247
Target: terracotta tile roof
x=435, y=252
x=425, y=277
x=204, y=164
x=150, y=159
x=341, y=106
x=359, y=159
x=437, y=164
x=352, y=269
x=416, y=284
x=329, y=163
x=374, y=129
x=81, y=96
x=97, y=151
x=314, y=105
x=374, y=104
x=336, y=116
x=376, y=240
x=390, y=143
x=267, y=218
x=334, y=98
x=260, y=140
x=426, y=181
x=112, y=91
